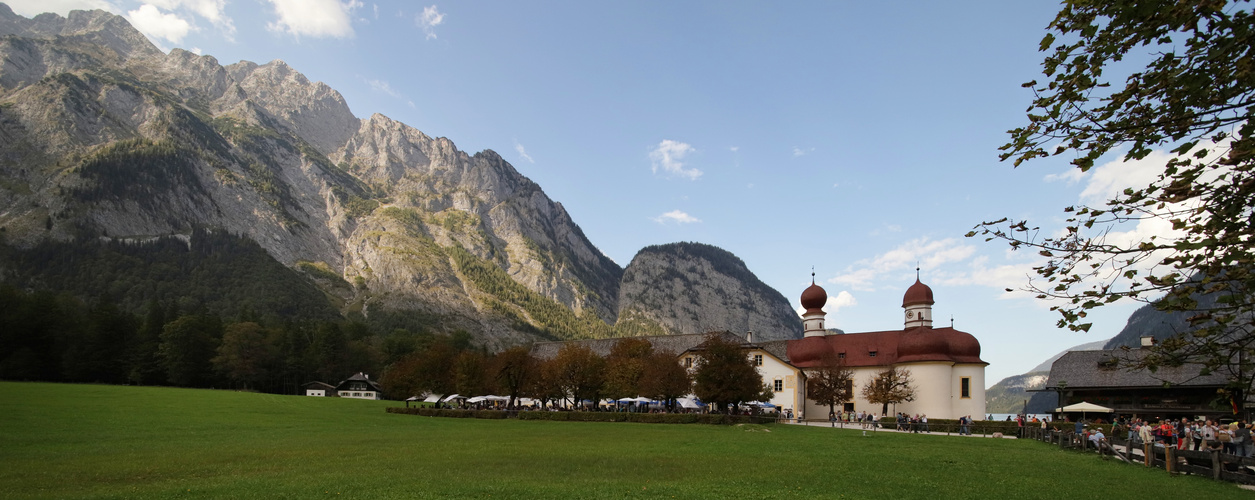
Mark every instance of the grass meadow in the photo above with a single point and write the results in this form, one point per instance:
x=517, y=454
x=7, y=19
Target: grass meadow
x=90, y=441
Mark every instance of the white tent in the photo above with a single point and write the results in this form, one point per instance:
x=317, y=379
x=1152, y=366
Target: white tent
x=452, y=397
x=1084, y=407
x=432, y=398
x=690, y=403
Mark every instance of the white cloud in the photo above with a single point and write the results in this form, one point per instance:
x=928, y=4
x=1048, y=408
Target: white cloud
x=211, y=10
x=930, y=254
x=195, y=50
x=149, y=20
x=315, y=18
x=668, y=155
x=677, y=217
x=32, y=8
x=428, y=20
x=843, y=299
x=523, y=152
x=801, y=152
x=734, y=149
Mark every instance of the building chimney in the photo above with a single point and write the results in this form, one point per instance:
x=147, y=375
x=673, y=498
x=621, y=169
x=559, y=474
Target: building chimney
x=749, y=337
x=1148, y=341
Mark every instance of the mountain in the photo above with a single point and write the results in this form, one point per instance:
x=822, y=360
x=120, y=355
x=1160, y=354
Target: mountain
x=1148, y=321
x=695, y=288
x=1010, y=394
x=111, y=148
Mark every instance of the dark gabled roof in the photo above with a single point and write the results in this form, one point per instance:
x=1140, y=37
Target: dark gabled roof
x=359, y=377
x=777, y=348
x=1081, y=369
x=674, y=343
x=318, y=385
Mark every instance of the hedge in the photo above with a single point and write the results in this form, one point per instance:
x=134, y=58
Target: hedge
x=587, y=416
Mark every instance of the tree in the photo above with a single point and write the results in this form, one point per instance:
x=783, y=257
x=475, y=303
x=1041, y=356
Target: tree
x=664, y=379
x=469, y=374
x=578, y=372
x=544, y=385
x=830, y=383
x=891, y=386
x=187, y=345
x=1195, y=98
x=625, y=367
x=513, y=369
x=246, y=354
x=725, y=376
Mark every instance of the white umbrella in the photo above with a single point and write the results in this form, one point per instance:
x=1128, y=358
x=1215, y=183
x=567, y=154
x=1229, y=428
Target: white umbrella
x=476, y=399
x=452, y=397
x=1084, y=407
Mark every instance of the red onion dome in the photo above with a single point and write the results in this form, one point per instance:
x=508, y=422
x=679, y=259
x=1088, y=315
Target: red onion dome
x=919, y=293
x=814, y=298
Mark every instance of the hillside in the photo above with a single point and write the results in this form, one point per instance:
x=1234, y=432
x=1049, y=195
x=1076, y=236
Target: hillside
x=695, y=288
x=105, y=140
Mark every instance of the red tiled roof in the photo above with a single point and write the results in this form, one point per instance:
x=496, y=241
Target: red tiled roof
x=888, y=347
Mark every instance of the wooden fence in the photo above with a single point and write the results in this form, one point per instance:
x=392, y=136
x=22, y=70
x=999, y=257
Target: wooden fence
x=1210, y=463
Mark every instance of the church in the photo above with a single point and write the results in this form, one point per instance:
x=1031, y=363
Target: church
x=944, y=363
x=945, y=366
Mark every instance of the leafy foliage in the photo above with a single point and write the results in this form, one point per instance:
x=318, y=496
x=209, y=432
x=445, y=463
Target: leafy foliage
x=890, y=387
x=831, y=383
x=725, y=376
x=1195, y=97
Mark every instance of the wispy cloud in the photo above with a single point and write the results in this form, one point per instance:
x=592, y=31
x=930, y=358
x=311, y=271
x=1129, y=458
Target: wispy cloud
x=668, y=154
x=523, y=152
x=677, y=217
x=428, y=20
x=801, y=152
x=931, y=254
x=314, y=18
x=383, y=87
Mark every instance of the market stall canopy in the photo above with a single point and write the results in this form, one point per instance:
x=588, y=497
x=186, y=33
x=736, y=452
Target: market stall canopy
x=452, y=397
x=433, y=398
x=1084, y=407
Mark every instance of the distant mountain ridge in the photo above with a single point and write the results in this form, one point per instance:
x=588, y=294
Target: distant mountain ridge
x=104, y=138
x=1010, y=395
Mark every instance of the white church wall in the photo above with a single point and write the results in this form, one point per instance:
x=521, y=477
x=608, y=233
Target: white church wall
x=975, y=404
x=932, y=389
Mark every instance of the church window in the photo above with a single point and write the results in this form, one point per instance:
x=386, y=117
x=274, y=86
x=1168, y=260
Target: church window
x=965, y=387
x=841, y=355
x=778, y=385
x=871, y=353
x=758, y=360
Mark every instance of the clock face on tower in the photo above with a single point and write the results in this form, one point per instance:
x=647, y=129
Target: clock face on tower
x=909, y=314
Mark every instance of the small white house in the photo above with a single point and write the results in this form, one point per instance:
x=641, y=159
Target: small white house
x=319, y=389
x=359, y=386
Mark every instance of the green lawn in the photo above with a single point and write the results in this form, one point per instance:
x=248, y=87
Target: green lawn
x=82, y=441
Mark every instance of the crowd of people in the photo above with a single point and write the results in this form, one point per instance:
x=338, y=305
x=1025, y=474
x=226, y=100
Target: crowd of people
x=1199, y=435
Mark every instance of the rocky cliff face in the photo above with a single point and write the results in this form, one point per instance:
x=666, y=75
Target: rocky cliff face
x=695, y=288
x=103, y=136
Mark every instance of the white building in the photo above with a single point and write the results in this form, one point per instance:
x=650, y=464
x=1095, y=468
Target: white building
x=944, y=363
x=359, y=386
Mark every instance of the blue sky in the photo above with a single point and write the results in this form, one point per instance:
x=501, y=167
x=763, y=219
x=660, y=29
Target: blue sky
x=849, y=136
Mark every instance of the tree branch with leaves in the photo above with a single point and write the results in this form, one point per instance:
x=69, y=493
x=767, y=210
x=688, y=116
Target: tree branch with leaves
x=1193, y=100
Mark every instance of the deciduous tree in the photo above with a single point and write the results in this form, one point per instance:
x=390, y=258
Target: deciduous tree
x=513, y=369
x=890, y=387
x=1193, y=100
x=831, y=383
x=664, y=379
x=579, y=372
x=625, y=367
x=725, y=376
